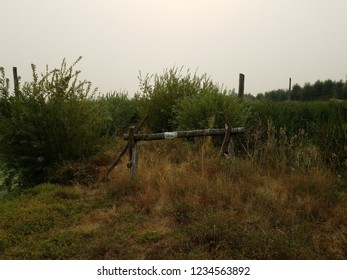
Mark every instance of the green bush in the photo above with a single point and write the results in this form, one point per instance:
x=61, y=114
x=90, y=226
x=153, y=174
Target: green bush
x=121, y=111
x=211, y=108
x=46, y=122
x=160, y=94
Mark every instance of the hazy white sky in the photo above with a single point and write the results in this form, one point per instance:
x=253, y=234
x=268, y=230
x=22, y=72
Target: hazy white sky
x=267, y=40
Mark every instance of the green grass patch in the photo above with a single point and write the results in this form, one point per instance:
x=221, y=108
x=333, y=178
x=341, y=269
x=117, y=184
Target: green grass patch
x=36, y=223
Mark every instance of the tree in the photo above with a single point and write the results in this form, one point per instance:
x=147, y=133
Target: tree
x=307, y=93
x=296, y=93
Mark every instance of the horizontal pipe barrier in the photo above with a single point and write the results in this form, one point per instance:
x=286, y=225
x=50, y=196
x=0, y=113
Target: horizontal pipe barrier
x=184, y=134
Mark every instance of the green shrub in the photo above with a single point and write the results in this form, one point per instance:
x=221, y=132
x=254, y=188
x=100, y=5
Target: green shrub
x=46, y=122
x=160, y=94
x=211, y=108
x=122, y=112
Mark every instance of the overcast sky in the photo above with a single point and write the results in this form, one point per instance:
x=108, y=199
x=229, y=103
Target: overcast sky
x=267, y=40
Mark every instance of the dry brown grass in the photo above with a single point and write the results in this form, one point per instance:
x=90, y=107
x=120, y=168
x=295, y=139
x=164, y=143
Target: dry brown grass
x=187, y=203
x=233, y=209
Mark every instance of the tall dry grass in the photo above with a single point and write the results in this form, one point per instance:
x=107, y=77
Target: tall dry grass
x=185, y=203
x=208, y=207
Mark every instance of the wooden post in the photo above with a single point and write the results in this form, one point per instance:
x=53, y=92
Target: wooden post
x=15, y=81
x=241, y=85
x=290, y=89
x=227, y=148
x=133, y=156
x=134, y=162
x=227, y=137
x=122, y=153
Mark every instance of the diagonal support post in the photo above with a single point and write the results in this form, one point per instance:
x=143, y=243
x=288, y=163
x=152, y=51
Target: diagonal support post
x=122, y=153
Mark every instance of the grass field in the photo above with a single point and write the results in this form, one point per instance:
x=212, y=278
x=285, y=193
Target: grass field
x=186, y=203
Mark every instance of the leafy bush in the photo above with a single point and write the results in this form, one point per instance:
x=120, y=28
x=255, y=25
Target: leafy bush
x=160, y=94
x=46, y=122
x=210, y=108
x=121, y=110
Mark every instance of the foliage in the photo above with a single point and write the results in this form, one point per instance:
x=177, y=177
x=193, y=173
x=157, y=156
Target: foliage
x=309, y=92
x=48, y=121
x=122, y=112
x=160, y=93
x=276, y=95
x=210, y=109
x=323, y=122
x=330, y=133
x=276, y=151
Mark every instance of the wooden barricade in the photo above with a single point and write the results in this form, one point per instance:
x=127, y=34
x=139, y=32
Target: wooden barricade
x=132, y=137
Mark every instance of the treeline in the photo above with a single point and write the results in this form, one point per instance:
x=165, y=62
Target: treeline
x=309, y=92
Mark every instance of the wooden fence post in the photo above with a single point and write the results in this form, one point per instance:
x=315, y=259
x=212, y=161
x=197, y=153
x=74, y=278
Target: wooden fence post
x=133, y=153
x=122, y=153
x=241, y=85
x=15, y=81
x=134, y=162
x=227, y=148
